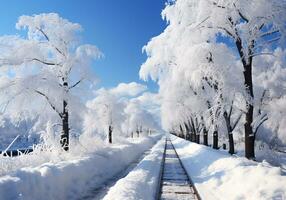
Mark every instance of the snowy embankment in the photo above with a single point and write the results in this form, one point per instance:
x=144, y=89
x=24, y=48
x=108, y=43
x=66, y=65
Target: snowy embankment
x=142, y=181
x=68, y=179
x=218, y=175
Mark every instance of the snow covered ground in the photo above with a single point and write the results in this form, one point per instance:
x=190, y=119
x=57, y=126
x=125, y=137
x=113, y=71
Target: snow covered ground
x=142, y=182
x=69, y=179
x=218, y=175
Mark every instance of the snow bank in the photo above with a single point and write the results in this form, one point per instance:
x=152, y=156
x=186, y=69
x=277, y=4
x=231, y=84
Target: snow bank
x=69, y=179
x=142, y=182
x=218, y=175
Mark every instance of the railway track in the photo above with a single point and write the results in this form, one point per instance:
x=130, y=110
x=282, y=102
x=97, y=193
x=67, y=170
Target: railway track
x=175, y=183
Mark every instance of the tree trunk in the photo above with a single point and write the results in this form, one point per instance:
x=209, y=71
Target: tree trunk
x=247, y=73
x=65, y=127
x=215, y=139
x=110, y=134
x=224, y=146
x=249, y=136
x=205, y=132
x=230, y=135
x=137, y=131
x=231, y=143
x=188, y=137
x=181, y=132
x=193, y=136
x=198, y=138
x=65, y=120
x=193, y=131
x=132, y=134
x=249, y=140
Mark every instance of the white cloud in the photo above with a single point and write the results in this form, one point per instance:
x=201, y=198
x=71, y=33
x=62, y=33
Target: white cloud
x=128, y=89
x=150, y=102
x=148, y=98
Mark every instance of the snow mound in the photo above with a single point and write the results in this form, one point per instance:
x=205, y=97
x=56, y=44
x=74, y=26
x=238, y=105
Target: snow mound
x=218, y=175
x=71, y=179
x=142, y=182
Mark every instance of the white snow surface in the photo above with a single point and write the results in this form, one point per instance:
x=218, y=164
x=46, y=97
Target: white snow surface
x=72, y=178
x=142, y=181
x=217, y=175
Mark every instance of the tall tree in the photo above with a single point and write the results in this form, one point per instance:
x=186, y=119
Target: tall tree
x=252, y=26
x=247, y=28
x=59, y=62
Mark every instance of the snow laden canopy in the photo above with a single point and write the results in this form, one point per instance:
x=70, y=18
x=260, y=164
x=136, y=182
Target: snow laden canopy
x=122, y=111
x=48, y=63
x=220, y=65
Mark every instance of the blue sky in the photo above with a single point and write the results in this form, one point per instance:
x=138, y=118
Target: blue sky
x=119, y=28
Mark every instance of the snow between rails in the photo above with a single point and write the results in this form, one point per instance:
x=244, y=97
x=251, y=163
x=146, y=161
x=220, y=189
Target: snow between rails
x=218, y=175
x=141, y=182
x=69, y=179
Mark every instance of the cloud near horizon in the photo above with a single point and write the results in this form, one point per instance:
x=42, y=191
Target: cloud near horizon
x=128, y=89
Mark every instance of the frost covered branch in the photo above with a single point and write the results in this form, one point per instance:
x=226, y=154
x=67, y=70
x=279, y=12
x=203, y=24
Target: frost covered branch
x=44, y=62
x=74, y=85
x=50, y=103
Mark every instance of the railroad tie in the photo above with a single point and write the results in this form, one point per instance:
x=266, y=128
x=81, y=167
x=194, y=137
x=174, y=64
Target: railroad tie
x=175, y=183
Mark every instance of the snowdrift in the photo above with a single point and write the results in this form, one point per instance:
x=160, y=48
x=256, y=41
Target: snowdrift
x=71, y=179
x=218, y=175
x=142, y=181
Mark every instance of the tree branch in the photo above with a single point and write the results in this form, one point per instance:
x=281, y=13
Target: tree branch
x=48, y=39
x=262, y=53
x=236, y=122
x=44, y=34
x=220, y=28
x=240, y=14
x=9, y=101
x=49, y=101
x=265, y=43
x=43, y=62
x=74, y=85
x=261, y=101
x=231, y=108
x=202, y=22
x=269, y=33
x=264, y=118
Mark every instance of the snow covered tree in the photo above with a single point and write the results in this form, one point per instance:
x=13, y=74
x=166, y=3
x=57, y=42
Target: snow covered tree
x=120, y=112
x=252, y=26
x=58, y=62
x=240, y=30
x=270, y=81
x=138, y=118
x=108, y=110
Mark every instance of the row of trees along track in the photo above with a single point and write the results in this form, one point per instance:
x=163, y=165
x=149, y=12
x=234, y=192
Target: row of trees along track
x=209, y=62
x=247, y=46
